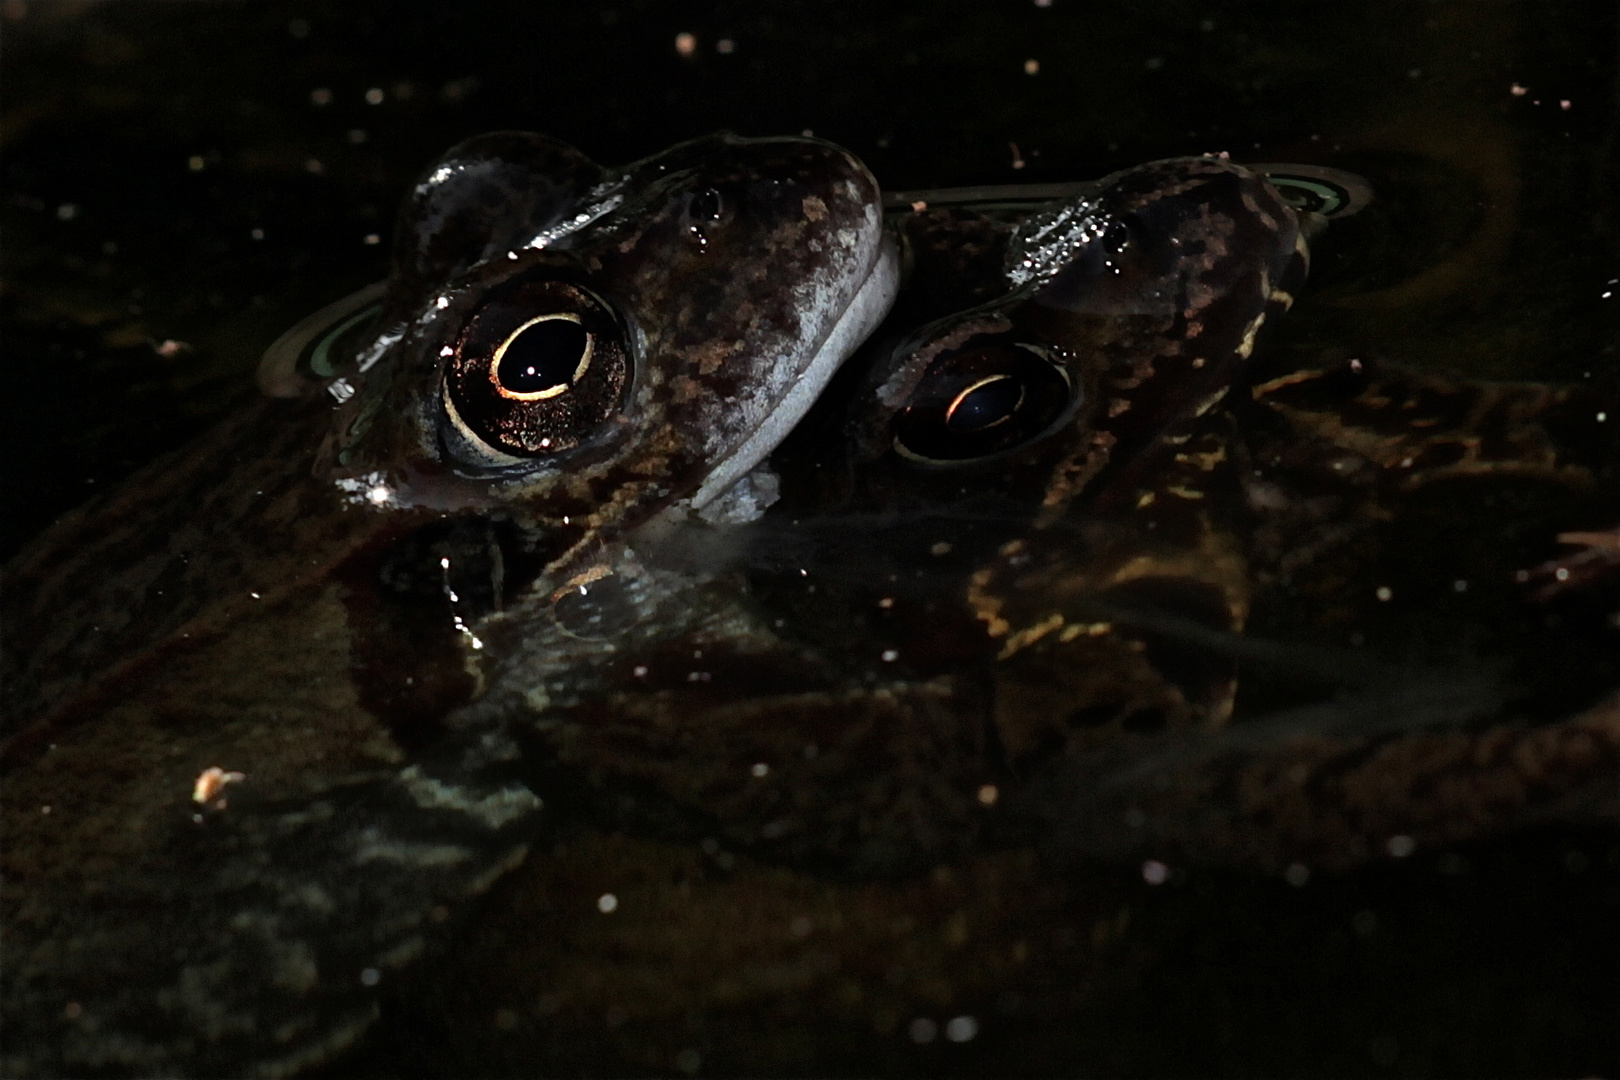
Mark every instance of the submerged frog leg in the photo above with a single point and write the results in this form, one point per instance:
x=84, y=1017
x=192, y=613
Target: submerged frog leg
x=256, y=939
x=1309, y=789
x=1598, y=558
x=1418, y=428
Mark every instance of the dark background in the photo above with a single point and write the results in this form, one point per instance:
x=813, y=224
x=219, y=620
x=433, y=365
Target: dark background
x=182, y=181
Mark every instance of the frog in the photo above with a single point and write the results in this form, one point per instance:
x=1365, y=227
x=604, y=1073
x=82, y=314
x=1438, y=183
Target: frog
x=1118, y=607
x=235, y=802
x=982, y=677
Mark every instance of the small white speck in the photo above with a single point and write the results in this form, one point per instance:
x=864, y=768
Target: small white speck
x=374, y=96
x=379, y=494
x=442, y=302
x=890, y=656
x=371, y=238
x=1602, y=417
x=960, y=1029
x=67, y=211
x=1032, y=67
x=923, y=1030
x=1401, y=846
x=447, y=351
x=685, y=43
x=639, y=671
x=1562, y=573
x=607, y=903
x=1155, y=872
x=988, y=794
x=1384, y=592
x=760, y=769
x=255, y=596
x=257, y=234
x=1459, y=585
x=370, y=977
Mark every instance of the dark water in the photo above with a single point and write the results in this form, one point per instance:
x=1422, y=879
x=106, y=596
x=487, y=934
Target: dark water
x=205, y=174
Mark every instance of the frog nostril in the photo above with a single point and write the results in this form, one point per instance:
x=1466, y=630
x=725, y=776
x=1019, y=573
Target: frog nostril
x=706, y=205
x=1116, y=237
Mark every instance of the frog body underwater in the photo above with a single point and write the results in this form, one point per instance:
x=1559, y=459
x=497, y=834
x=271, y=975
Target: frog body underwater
x=1006, y=591
x=623, y=643
x=1114, y=606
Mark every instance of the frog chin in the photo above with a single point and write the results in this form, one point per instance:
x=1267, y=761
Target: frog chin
x=861, y=316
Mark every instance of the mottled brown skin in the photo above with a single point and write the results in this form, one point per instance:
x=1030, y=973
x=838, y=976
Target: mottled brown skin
x=222, y=609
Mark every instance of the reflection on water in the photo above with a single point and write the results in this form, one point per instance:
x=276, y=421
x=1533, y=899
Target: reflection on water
x=1397, y=855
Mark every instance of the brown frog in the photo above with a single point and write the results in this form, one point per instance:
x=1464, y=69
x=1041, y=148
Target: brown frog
x=231, y=810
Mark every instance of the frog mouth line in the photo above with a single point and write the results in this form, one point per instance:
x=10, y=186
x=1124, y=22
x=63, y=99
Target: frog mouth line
x=866, y=309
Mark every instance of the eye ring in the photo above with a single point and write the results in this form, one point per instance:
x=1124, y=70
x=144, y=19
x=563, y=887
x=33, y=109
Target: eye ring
x=540, y=368
x=497, y=359
x=992, y=397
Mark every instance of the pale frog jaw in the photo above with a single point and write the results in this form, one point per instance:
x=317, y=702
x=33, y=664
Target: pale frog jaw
x=862, y=316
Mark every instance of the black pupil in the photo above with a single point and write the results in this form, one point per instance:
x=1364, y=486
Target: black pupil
x=542, y=356
x=985, y=405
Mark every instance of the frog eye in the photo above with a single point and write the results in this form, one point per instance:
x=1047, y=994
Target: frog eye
x=990, y=397
x=542, y=358
x=536, y=371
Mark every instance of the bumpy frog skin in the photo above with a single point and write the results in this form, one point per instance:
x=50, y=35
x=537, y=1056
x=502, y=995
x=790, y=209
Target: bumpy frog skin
x=689, y=308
